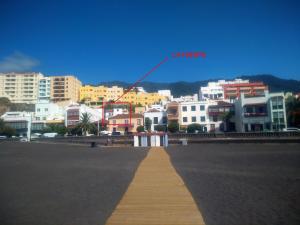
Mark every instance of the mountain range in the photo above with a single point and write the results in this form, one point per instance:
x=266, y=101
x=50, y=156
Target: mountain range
x=181, y=88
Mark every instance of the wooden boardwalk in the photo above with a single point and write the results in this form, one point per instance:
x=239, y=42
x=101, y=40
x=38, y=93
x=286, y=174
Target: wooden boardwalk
x=156, y=196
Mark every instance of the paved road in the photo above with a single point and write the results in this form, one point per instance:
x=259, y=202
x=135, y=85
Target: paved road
x=245, y=184
x=62, y=184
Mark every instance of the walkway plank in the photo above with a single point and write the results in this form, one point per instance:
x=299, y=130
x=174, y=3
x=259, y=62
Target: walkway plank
x=156, y=196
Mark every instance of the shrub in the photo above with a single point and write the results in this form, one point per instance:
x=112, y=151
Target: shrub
x=173, y=127
x=192, y=128
x=160, y=128
x=140, y=129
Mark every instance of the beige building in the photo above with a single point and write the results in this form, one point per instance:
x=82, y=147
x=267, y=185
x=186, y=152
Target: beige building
x=20, y=87
x=65, y=88
x=123, y=123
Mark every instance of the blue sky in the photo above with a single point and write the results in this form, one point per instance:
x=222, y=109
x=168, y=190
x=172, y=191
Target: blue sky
x=122, y=40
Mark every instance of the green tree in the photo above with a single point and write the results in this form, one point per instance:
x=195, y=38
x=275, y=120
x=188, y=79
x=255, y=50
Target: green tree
x=55, y=128
x=162, y=128
x=140, y=129
x=93, y=129
x=148, y=123
x=6, y=130
x=85, y=123
x=194, y=127
x=75, y=130
x=173, y=127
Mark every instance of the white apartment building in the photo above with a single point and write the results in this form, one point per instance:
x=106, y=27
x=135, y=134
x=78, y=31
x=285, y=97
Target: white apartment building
x=20, y=121
x=194, y=112
x=20, y=87
x=74, y=112
x=114, y=111
x=214, y=90
x=186, y=98
x=166, y=93
x=48, y=112
x=158, y=117
x=260, y=113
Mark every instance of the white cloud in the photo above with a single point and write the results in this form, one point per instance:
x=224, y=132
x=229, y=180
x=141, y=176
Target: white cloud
x=17, y=62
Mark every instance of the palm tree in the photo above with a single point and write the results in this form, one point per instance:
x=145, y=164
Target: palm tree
x=85, y=123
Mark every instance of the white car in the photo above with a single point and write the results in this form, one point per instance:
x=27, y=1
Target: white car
x=105, y=132
x=291, y=129
x=3, y=137
x=24, y=139
x=49, y=135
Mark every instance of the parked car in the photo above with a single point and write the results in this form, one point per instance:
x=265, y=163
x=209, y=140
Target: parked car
x=3, y=137
x=24, y=139
x=291, y=129
x=49, y=135
x=105, y=132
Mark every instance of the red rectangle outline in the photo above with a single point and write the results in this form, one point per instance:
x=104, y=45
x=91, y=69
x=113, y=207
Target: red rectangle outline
x=117, y=103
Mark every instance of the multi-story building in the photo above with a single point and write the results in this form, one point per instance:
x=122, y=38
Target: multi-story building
x=233, y=91
x=173, y=112
x=49, y=112
x=65, y=88
x=44, y=88
x=186, y=98
x=260, y=113
x=221, y=116
x=142, y=98
x=215, y=91
x=74, y=112
x=121, y=123
x=20, y=121
x=157, y=117
x=20, y=87
x=101, y=93
x=166, y=93
x=193, y=112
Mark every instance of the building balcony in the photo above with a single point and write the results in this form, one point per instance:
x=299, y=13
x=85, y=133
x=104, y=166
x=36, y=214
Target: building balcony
x=256, y=114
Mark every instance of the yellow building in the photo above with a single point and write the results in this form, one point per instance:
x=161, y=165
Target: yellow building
x=65, y=88
x=142, y=98
x=102, y=93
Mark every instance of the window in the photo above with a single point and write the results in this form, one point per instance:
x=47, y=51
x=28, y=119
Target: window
x=215, y=118
x=184, y=108
x=155, y=120
x=194, y=119
x=46, y=109
x=38, y=109
x=138, y=121
x=126, y=121
x=114, y=121
x=184, y=119
x=202, y=107
x=193, y=108
x=202, y=118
